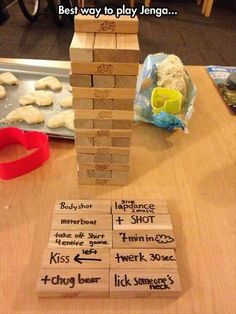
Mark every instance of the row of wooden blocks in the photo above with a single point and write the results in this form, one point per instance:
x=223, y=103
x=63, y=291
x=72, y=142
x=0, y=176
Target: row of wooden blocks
x=104, y=68
x=123, y=248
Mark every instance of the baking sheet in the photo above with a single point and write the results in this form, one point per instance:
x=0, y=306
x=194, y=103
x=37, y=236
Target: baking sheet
x=27, y=76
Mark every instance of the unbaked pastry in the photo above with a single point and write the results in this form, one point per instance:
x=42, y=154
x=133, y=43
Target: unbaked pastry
x=62, y=119
x=29, y=114
x=40, y=98
x=66, y=102
x=8, y=78
x=2, y=92
x=50, y=82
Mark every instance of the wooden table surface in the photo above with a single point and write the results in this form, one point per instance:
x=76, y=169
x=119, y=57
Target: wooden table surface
x=195, y=173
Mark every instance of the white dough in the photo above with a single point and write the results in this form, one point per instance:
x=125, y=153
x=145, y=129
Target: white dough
x=29, y=114
x=70, y=88
x=50, y=82
x=40, y=98
x=171, y=74
x=2, y=92
x=66, y=102
x=8, y=78
x=62, y=119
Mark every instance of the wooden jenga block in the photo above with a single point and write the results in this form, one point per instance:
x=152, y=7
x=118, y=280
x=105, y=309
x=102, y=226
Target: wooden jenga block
x=103, y=93
x=83, y=124
x=81, y=239
x=109, y=182
x=82, y=103
x=84, y=141
x=142, y=259
x=104, y=114
x=106, y=24
x=75, y=258
x=122, y=124
x=73, y=282
x=123, y=104
x=103, y=124
x=104, y=47
x=127, y=48
x=82, y=206
x=117, y=175
x=104, y=167
x=102, y=141
x=104, y=81
x=85, y=174
x=105, y=68
x=103, y=104
x=103, y=133
x=85, y=157
x=141, y=222
x=80, y=221
x=79, y=80
x=103, y=150
x=103, y=174
x=81, y=48
x=121, y=142
x=145, y=283
x=139, y=207
x=120, y=159
x=144, y=239
x=125, y=81
x=102, y=159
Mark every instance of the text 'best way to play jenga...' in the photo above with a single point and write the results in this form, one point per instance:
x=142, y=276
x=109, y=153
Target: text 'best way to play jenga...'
x=104, y=66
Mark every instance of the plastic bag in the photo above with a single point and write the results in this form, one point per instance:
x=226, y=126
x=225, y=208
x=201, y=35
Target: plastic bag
x=143, y=108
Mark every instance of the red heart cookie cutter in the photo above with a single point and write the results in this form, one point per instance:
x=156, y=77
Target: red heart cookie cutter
x=29, y=140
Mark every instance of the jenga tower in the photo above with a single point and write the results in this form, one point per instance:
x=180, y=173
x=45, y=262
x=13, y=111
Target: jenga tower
x=104, y=66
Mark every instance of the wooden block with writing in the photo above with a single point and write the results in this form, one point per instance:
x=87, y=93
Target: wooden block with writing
x=81, y=48
x=104, y=114
x=82, y=206
x=80, y=239
x=120, y=159
x=84, y=141
x=105, y=68
x=139, y=207
x=144, y=239
x=102, y=141
x=105, y=47
x=141, y=222
x=103, y=104
x=103, y=174
x=75, y=258
x=96, y=181
x=85, y=174
x=104, y=81
x=121, y=142
x=79, y=80
x=80, y=221
x=127, y=48
x=82, y=103
x=103, y=150
x=122, y=124
x=103, y=132
x=145, y=283
x=125, y=81
x=80, y=282
x=123, y=104
x=106, y=24
x=103, y=93
x=103, y=124
x=103, y=167
x=142, y=259
x=83, y=124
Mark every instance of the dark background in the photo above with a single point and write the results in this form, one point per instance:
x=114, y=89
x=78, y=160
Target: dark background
x=194, y=38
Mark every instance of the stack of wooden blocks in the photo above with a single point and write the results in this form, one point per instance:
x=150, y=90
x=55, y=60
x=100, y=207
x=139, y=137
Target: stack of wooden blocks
x=99, y=248
x=104, y=66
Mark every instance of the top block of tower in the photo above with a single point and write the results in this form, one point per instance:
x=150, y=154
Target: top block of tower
x=106, y=24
